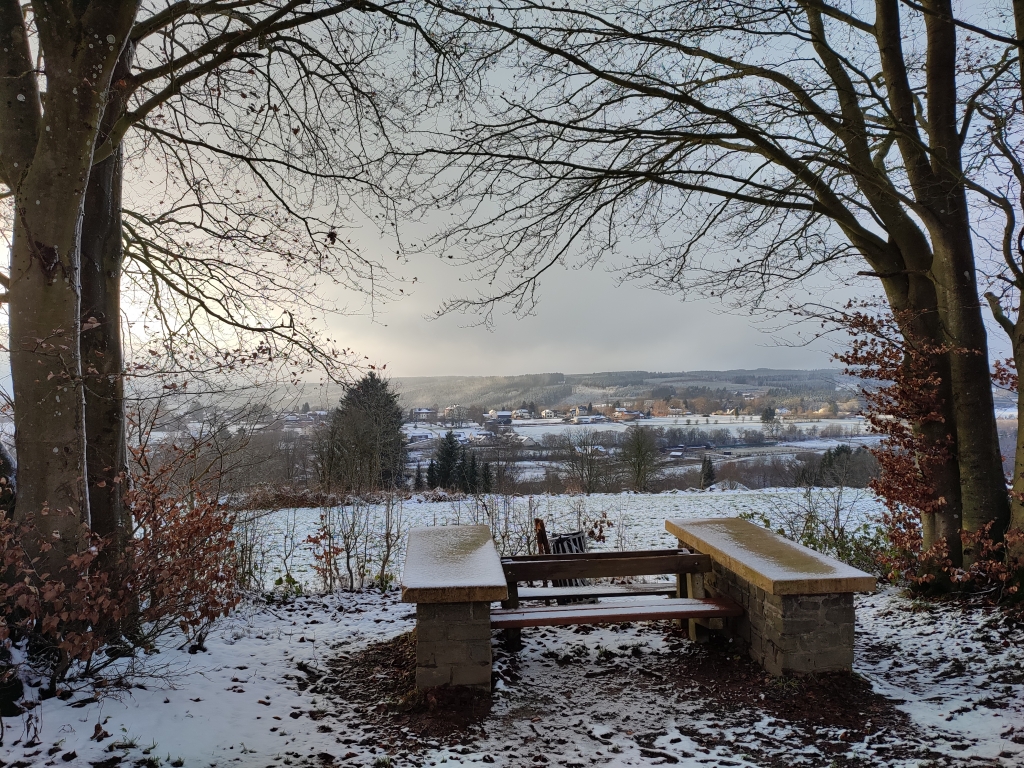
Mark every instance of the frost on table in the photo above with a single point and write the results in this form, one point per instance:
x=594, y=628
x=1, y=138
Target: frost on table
x=453, y=573
x=776, y=565
x=452, y=564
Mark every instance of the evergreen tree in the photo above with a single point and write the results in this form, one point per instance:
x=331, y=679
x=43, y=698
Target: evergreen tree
x=473, y=475
x=447, y=460
x=361, y=447
x=707, y=473
x=305, y=408
x=417, y=483
x=461, y=480
x=486, y=481
x=431, y=475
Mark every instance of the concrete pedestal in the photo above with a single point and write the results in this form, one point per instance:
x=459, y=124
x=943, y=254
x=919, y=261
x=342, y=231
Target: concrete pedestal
x=788, y=634
x=453, y=644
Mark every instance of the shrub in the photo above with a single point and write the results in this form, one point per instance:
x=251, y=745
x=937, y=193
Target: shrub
x=174, y=571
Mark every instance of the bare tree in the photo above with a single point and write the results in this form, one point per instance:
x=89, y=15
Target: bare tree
x=844, y=146
x=502, y=457
x=639, y=453
x=584, y=462
x=274, y=91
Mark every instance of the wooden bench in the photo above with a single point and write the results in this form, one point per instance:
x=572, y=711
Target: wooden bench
x=655, y=604
x=798, y=614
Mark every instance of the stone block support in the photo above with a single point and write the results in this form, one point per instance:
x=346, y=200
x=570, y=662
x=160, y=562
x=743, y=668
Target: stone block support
x=453, y=644
x=788, y=634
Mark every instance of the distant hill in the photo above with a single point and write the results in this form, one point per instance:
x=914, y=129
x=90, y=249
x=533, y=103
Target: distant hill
x=558, y=389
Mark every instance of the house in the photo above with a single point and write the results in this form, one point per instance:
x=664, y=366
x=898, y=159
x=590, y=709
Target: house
x=418, y=435
x=455, y=413
x=521, y=413
x=502, y=418
x=547, y=413
x=624, y=414
x=423, y=414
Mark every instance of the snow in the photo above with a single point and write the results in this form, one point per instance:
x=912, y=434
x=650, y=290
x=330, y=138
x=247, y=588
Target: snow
x=604, y=696
x=777, y=565
x=638, y=519
x=450, y=557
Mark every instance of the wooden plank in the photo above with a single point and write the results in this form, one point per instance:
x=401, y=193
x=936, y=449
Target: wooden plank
x=595, y=590
x=452, y=564
x=614, y=613
x=767, y=560
x=594, y=555
x=583, y=567
x=612, y=604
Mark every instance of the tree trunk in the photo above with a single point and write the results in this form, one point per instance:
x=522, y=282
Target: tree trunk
x=49, y=188
x=914, y=302
x=944, y=523
x=982, y=482
x=1016, y=549
x=102, y=355
x=49, y=417
x=101, y=345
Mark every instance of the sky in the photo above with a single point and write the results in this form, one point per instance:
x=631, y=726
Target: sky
x=585, y=322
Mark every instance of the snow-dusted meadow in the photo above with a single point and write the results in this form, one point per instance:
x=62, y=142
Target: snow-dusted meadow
x=637, y=520
x=610, y=696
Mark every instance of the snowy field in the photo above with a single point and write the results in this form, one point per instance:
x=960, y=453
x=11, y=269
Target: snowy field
x=941, y=686
x=638, y=520
x=538, y=428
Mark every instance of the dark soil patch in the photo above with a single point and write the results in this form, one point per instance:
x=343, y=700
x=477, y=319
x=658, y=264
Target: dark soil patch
x=380, y=681
x=583, y=692
x=838, y=700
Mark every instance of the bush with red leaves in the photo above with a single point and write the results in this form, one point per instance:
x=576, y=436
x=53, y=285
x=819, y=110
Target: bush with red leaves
x=173, y=572
x=908, y=399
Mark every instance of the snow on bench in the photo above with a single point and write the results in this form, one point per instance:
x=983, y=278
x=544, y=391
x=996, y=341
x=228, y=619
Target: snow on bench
x=798, y=604
x=452, y=564
x=453, y=573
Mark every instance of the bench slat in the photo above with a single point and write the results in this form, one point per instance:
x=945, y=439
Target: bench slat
x=614, y=613
x=594, y=555
x=595, y=590
x=585, y=566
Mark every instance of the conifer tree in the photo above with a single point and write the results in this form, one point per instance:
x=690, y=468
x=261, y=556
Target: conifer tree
x=431, y=475
x=707, y=473
x=473, y=475
x=417, y=483
x=446, y=460
x=486, y=481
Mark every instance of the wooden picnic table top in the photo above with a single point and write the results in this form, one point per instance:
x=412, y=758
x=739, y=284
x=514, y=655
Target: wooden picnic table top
x=773, y=563
x=452, y=564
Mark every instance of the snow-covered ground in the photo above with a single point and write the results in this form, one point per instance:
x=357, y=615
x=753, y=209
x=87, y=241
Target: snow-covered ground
x=538, y=428
x=946, y=686
x=638, y=520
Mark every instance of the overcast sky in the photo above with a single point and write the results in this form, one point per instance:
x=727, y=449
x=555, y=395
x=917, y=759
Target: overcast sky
x=585, y=322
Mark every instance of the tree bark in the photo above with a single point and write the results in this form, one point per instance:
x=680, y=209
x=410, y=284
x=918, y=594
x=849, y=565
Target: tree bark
x=46, y=161
x=49, y=418
x=1017, y=486
x=101, y=343
x=914, y=301
x=983, y=484
x=947, y=216
x=102, y=354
